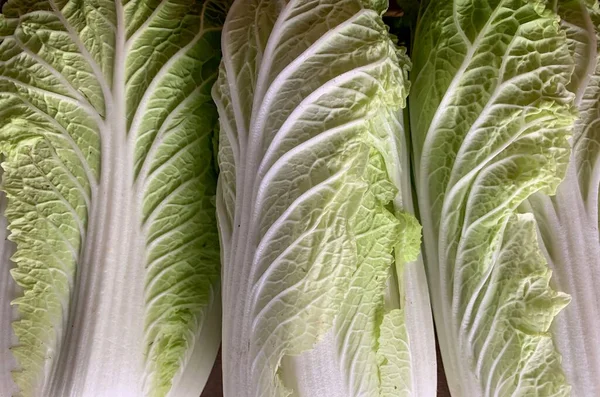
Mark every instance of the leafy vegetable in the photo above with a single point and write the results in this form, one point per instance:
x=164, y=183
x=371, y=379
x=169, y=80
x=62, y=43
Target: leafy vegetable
x=568, y=222
x=490, y=122
x=323, y=293
x=106, y=126
x=7, y=289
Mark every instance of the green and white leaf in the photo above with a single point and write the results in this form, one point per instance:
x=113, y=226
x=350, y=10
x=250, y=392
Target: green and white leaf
x=568, y=222
x=490, y=122
x=106, y=125
x=8, y=291
x=313, y=170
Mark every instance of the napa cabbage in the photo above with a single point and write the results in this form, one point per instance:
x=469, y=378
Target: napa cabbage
x=568, y=222
x=324, y=293
x=106, y=128
x=491, y=118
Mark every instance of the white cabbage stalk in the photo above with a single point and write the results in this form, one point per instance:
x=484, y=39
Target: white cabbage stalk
x=8, y=313
x=106, y=126
x=490, y=123
x=568, y=222
x=323, y=291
